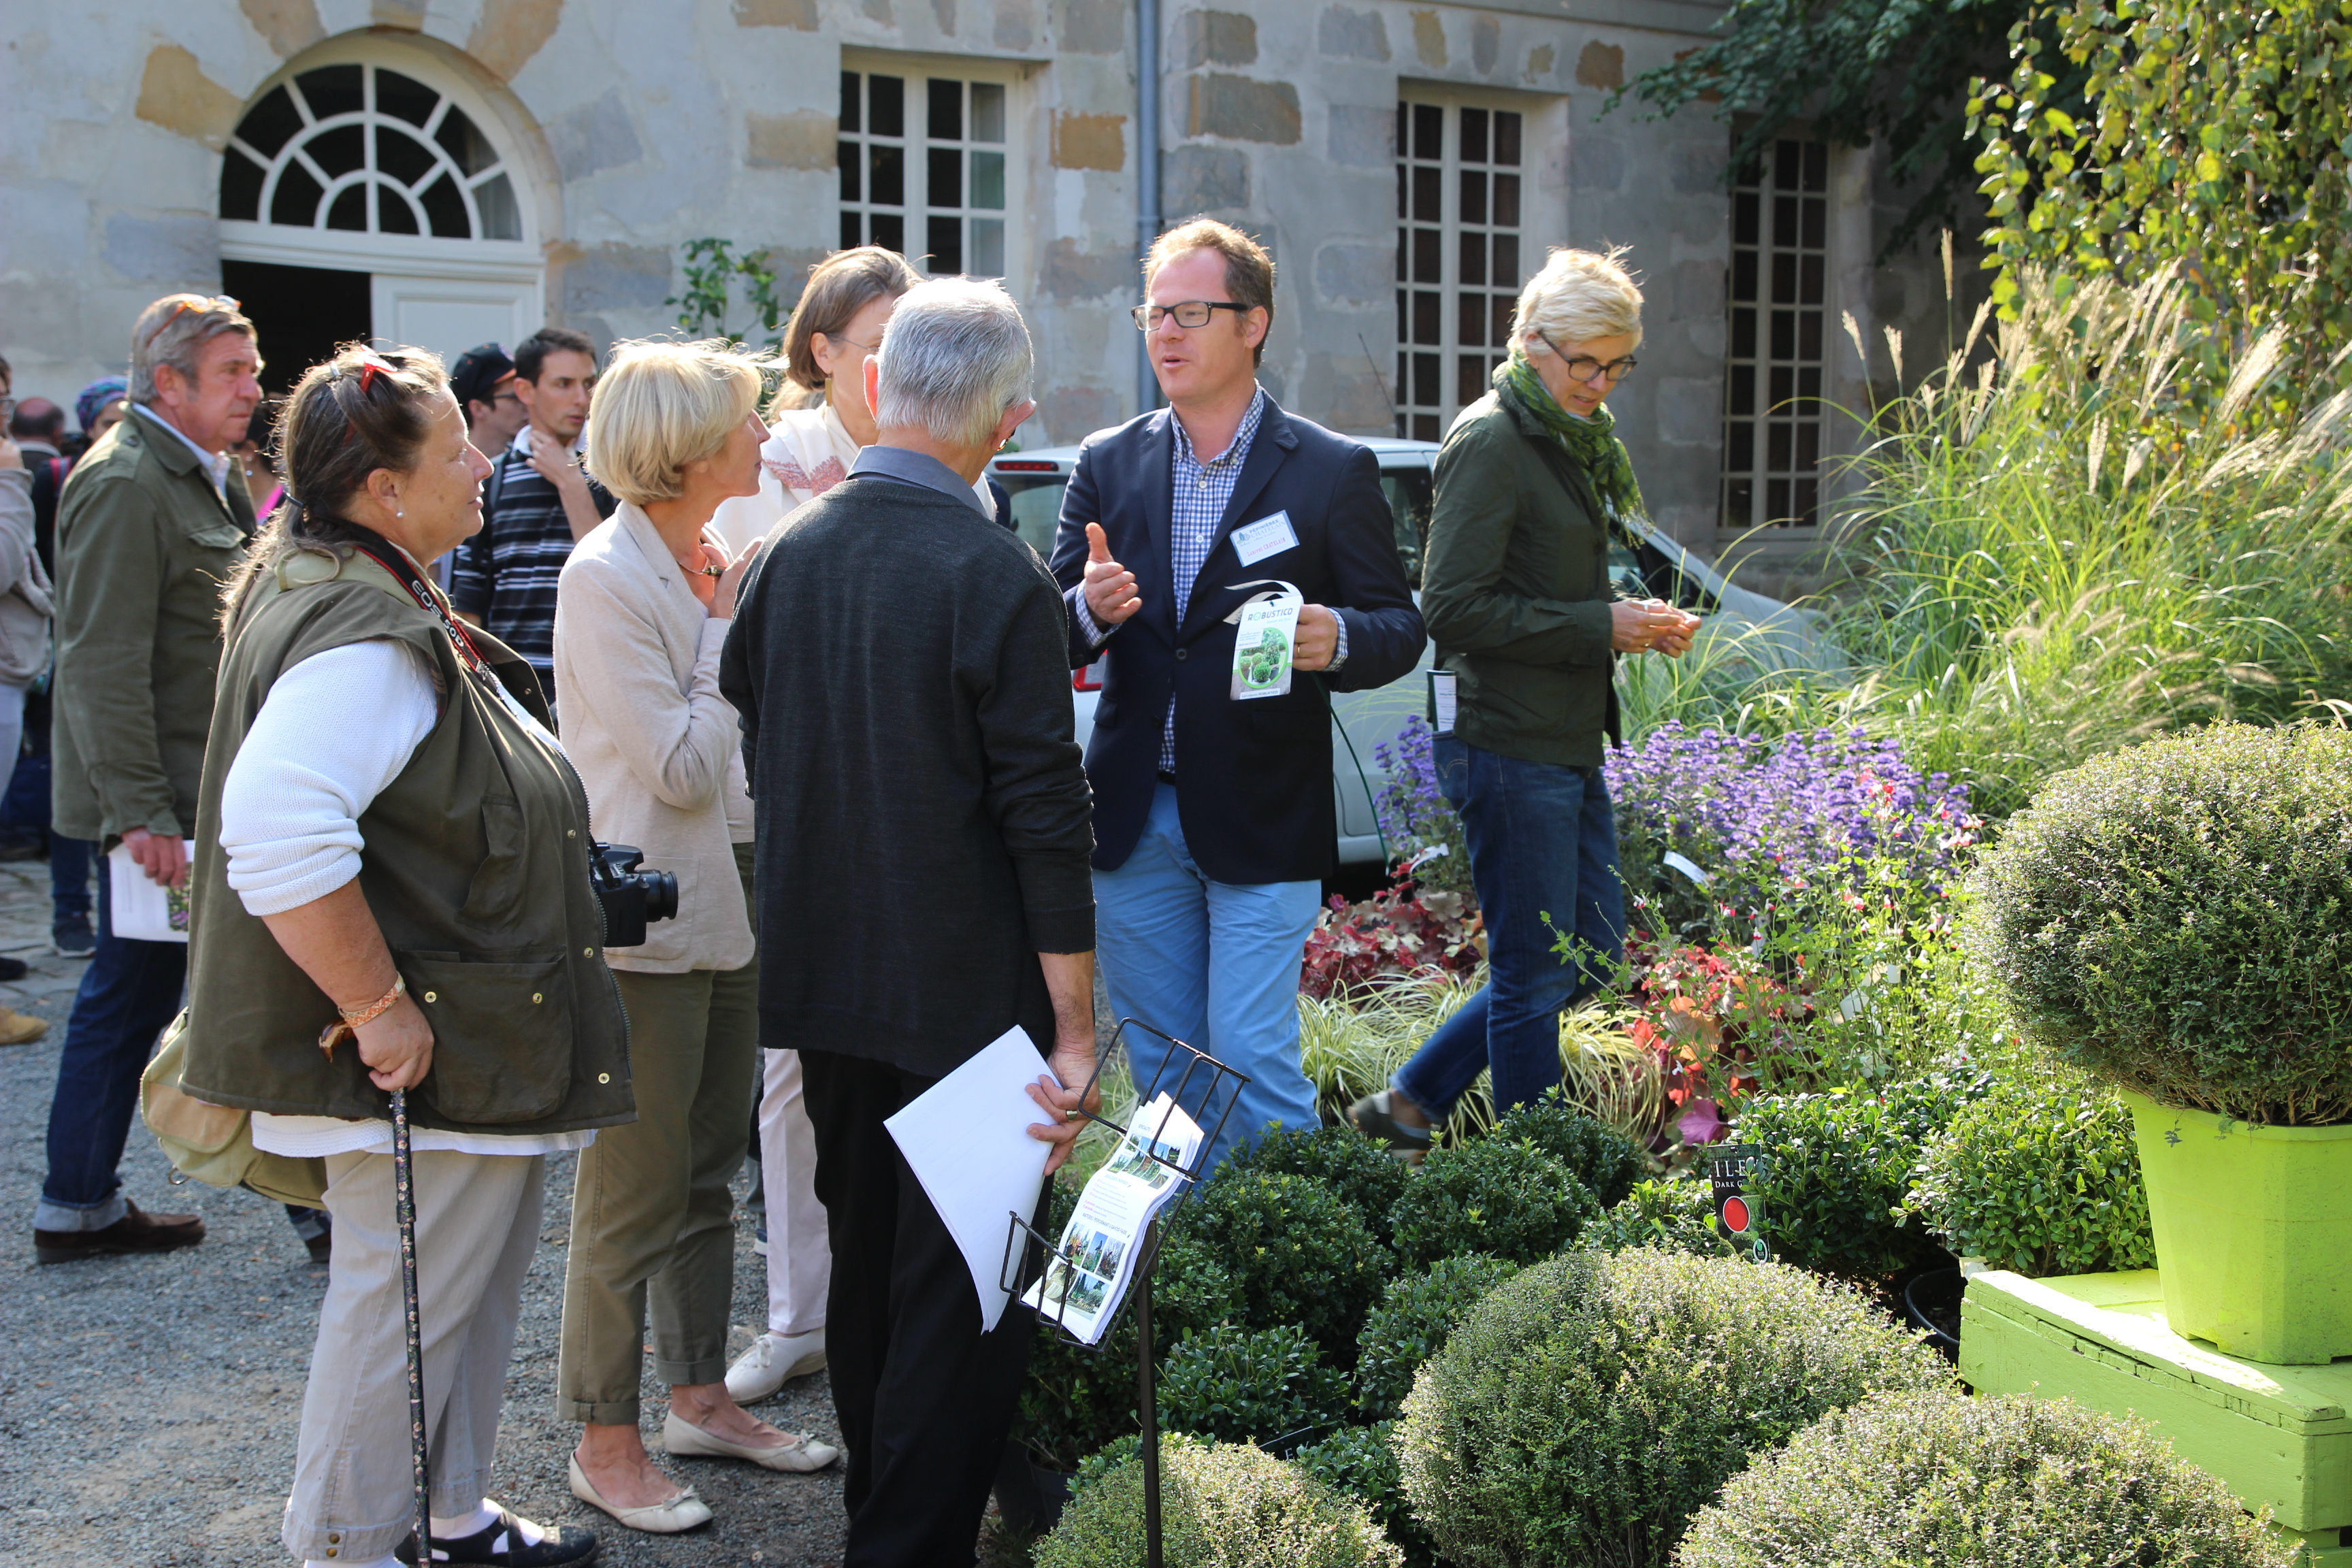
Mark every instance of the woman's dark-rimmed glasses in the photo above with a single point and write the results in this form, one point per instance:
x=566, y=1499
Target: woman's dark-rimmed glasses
x=1584, y=368
x=1189, y=313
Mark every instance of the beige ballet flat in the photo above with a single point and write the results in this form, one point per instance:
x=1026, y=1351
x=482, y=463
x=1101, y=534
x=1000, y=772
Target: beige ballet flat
x=685, y=1511
x=800, y=1454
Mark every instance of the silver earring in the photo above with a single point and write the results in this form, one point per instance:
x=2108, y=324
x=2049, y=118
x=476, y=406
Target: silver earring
x=397, y=513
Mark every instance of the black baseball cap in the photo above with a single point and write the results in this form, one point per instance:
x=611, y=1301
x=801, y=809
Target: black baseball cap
x=475, y=377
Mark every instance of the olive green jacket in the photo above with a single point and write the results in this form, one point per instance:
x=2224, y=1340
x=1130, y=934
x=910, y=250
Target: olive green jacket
x=143, y=545
x=1515, y=589
x=476, y=867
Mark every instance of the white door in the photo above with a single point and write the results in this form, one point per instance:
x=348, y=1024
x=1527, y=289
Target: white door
x=450, y=315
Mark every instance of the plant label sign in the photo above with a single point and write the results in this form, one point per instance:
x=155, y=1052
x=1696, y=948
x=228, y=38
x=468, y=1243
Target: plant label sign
x=1264, y=640
x=1739, y=1211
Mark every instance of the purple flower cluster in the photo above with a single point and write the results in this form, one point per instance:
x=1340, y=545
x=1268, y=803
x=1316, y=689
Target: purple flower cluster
x=1763, y=808
x=1413, y=813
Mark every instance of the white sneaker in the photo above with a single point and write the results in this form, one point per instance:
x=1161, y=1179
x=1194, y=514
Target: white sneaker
x=774, y=1361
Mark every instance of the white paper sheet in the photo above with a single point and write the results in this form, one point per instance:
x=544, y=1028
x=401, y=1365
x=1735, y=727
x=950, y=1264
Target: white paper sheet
x=143, y=911
x=967, y=1139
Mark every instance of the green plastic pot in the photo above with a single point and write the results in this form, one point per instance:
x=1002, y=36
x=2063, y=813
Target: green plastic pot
x=2254, y=1231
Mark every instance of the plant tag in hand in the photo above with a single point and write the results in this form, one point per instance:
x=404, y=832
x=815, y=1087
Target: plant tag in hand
x=1265, y=640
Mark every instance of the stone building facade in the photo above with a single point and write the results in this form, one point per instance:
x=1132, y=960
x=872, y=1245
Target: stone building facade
x=448, y=171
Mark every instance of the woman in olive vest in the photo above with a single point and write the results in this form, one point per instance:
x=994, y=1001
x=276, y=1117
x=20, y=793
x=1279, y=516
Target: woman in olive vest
x=644, y=604
x=391, y=891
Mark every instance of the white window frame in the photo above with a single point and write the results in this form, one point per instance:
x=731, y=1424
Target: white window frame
x=1428, y=418
x=915, y=146
x=1775, y=376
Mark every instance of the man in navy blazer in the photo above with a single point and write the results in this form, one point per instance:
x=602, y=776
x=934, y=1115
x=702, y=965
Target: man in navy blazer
x=1213, y=814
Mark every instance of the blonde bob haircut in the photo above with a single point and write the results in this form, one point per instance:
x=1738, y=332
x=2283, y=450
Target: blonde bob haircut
x=662, y=406
x=1579, y=295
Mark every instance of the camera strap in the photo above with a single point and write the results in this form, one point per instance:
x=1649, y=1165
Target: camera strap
x=395, y=562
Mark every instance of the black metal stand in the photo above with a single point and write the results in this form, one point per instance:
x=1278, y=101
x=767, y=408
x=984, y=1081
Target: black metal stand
x=1218, y=1086
x=405, y=1211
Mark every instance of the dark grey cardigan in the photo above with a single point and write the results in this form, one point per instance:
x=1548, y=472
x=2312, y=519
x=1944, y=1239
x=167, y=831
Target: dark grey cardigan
x=900, y=666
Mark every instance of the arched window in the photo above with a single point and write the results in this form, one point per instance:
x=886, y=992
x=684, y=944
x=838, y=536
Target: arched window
x=361, y=149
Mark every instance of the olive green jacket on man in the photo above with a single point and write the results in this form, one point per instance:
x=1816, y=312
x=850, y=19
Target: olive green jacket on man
x=475, y=866
x=1515, y=589
x=143, y=545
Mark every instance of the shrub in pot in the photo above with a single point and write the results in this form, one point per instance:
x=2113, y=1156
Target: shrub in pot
x=2176, y=920
x=1358, y=1169
x=1416, y=1313
x=1678, y=1214
x=1493, y=1195
x=1834, y=1172
x=1249, y=1386
x=2042, y=1177
x=2006, y=1482
x=1299, y=1253
x=1223, y=1505
x=1588, y=1408
x=1605, y=1160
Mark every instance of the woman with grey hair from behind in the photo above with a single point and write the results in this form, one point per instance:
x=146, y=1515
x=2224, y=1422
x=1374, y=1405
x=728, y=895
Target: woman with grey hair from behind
x=901, y=667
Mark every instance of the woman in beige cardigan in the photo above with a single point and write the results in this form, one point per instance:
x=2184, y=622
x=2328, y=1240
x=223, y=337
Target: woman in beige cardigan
x=640, y=616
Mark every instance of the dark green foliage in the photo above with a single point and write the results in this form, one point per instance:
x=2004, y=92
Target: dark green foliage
x=2042, y=1177
x=1077, y=1399
x=1250, y=1387
x=1834, y=1172
x=1223, y=1506
x=1361, y=1461
x=1297, y=1251
x=2176, y=918
x=1589, y=1407
x=1605, y=1160
x=1492, y=1196
x=2001, y=1482
x=1678, y=1214
x=1362, y=1171
x=1416, y=1313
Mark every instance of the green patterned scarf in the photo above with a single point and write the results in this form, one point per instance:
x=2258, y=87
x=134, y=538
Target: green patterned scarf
x=1592, y=443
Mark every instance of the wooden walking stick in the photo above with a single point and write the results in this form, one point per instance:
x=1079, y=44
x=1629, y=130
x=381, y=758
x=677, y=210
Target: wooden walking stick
x=405, y=1206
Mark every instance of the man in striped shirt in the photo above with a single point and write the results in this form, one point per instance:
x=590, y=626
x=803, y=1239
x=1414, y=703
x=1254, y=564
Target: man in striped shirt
x=537, y=503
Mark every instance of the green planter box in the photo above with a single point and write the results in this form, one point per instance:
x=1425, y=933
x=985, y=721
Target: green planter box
x=2254, y=1231
x=2278, y=1436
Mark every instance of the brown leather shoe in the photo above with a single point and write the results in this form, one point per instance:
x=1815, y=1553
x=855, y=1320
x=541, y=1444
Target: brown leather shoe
x=134, y=1232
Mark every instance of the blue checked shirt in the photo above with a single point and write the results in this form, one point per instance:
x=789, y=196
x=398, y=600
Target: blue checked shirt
x=1200, y=492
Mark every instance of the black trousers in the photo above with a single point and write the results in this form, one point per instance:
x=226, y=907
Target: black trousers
x=924, y=1398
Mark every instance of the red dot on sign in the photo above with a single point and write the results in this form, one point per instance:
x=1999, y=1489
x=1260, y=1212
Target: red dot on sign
x=1735, y=1216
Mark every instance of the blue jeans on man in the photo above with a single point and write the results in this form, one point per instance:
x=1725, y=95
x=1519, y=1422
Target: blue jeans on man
x=1543, y=858
x=1214, y=963
x=128, y=994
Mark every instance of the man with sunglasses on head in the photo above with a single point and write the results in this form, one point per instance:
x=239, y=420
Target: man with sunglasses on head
x=538, y=503
x=151, y=520
x=1211, y=761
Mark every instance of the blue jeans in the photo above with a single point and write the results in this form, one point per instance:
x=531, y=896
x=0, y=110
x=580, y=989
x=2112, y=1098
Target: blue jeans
x=26, y=806
x=1214, y=963
x=1543, y=854
x=129, y=993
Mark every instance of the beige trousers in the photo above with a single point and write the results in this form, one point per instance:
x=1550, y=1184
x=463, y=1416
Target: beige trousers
x=800, y=1256
x=477, y=1226
x=652, y=1218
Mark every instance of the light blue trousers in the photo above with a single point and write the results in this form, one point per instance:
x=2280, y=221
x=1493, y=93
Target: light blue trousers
x=1214, y=963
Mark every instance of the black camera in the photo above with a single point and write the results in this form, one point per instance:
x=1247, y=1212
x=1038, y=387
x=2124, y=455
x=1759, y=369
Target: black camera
x=632, y=899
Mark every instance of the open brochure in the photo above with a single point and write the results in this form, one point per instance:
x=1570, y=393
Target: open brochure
x=1094, y=1262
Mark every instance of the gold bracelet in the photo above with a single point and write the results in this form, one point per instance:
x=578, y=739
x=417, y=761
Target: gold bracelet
x=335, y=1033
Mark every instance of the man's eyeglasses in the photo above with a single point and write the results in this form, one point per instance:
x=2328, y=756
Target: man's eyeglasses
x=1585, y=368
x=1188, y=314
x=202, y=302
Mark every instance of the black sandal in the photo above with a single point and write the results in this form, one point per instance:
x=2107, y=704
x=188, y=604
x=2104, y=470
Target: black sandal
x=1374, y=1117
x=501, y=1545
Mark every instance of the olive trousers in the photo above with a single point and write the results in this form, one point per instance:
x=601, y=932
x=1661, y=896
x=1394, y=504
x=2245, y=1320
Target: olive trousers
x=652, y=1217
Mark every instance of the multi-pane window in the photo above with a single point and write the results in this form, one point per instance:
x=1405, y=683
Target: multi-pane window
x=1778, y=299
x=1458, y=257
x=922, y=169
x=369, y=150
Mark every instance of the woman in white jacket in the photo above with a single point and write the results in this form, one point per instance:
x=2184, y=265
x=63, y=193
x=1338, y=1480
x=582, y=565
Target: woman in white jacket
x=641, y=612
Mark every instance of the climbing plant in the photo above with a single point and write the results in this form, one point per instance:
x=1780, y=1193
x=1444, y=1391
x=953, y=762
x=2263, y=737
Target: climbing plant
x=712, y=270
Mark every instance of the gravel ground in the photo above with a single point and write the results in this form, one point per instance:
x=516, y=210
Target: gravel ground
x=148, y=1406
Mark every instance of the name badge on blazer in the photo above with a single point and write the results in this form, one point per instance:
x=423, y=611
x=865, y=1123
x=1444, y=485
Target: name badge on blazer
x=1254, y=542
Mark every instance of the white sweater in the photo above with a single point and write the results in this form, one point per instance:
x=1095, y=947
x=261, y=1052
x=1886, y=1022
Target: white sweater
x=334, y=731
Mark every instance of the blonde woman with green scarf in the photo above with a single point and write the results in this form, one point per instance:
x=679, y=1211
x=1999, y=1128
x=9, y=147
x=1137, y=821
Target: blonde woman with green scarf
x=1517, y=595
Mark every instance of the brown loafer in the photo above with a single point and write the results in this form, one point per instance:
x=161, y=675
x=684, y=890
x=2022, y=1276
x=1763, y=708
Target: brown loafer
x=134, y=1232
